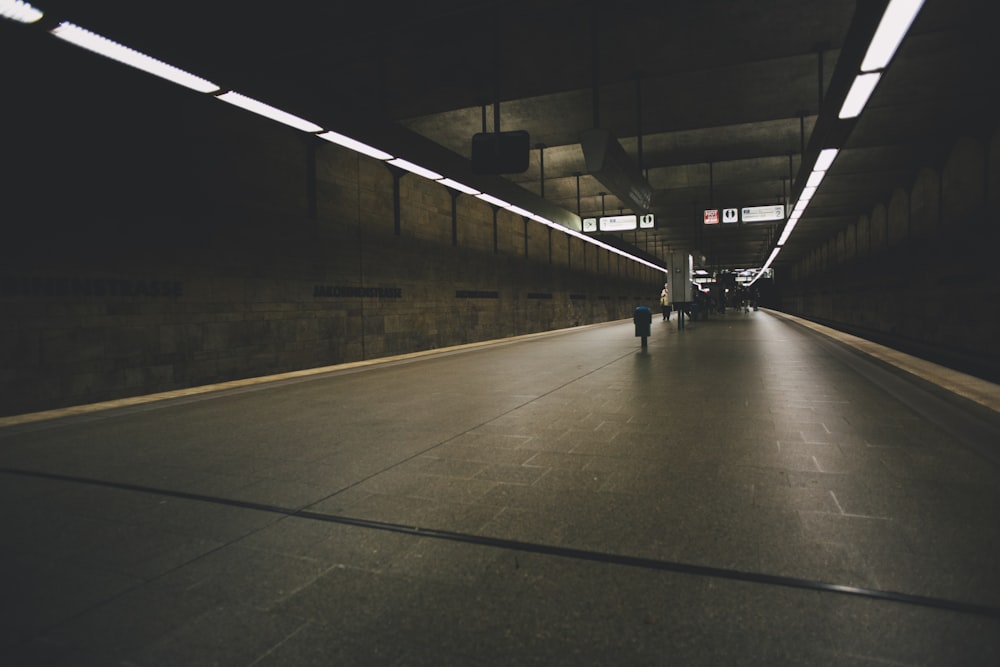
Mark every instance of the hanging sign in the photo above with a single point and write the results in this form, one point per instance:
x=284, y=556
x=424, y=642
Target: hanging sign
x=763, y=213
x=617, y=223
x=712, y=216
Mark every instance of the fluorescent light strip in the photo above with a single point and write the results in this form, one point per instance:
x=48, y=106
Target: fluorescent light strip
x=347, y=142
x=789, y=226
x=556, y=226
x=520, y=211
x=490, y=199
x=825, y=159
x=354, y=145
x=21, y=12
x=416, y=169
x=895, y=23
x=857, y=96
x=267, y=111
x=618, y=251
x=815, y=178
x=461, y=187
x=573, y=232
x=83, y=38
x=823, y=163
x=767, y=265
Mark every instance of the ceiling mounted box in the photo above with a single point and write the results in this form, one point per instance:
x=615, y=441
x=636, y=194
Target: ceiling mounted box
x=500, y=152
x=608, y=162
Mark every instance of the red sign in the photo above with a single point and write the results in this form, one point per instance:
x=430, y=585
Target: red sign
x=712, y=216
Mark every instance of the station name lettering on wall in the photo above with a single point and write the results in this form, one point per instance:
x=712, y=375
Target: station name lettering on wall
x=342, y=291
x=19, y=286
x=476, y=294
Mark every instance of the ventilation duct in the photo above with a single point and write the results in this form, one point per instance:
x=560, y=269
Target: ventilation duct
x=608, y=162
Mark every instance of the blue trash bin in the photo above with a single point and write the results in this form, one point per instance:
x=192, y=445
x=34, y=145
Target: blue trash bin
x=642, y=318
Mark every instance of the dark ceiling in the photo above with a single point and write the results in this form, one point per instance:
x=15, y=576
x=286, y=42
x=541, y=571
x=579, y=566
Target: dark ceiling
x=724, y=96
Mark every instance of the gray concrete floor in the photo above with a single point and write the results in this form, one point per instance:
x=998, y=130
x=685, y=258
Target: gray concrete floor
x=746, y=491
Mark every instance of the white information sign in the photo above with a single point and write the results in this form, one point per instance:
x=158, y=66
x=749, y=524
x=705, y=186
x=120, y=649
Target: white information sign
x=646, y=221
x=590, y=224
x=730, y=215
x=617, y=223
x=763, y=213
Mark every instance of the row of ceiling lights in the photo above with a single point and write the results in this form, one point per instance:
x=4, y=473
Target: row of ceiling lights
x=895, y=23
x=23, y=12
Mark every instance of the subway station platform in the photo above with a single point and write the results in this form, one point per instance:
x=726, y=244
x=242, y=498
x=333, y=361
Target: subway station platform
x=751, y=490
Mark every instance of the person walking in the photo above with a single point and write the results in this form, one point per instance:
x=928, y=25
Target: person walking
x=665, y=301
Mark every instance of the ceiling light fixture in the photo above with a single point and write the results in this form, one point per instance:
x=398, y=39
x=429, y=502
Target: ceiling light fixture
x=787, y=231
x=461, y=187
x=857, y=96
x=21, y=12
x=416, y=169
x=557, y=226
x=892, y=28
x=69, y=32
x=490, y=199
x=267, y=111
x=895, y=23
x=825, y=159
x=815, y=178
x=83, y=38
x=520, y=211
x=354, y=145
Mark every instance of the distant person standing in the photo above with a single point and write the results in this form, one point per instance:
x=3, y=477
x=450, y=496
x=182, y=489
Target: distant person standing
x=665, y=301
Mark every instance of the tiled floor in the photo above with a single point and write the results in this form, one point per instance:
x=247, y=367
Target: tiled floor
x=745, y=491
